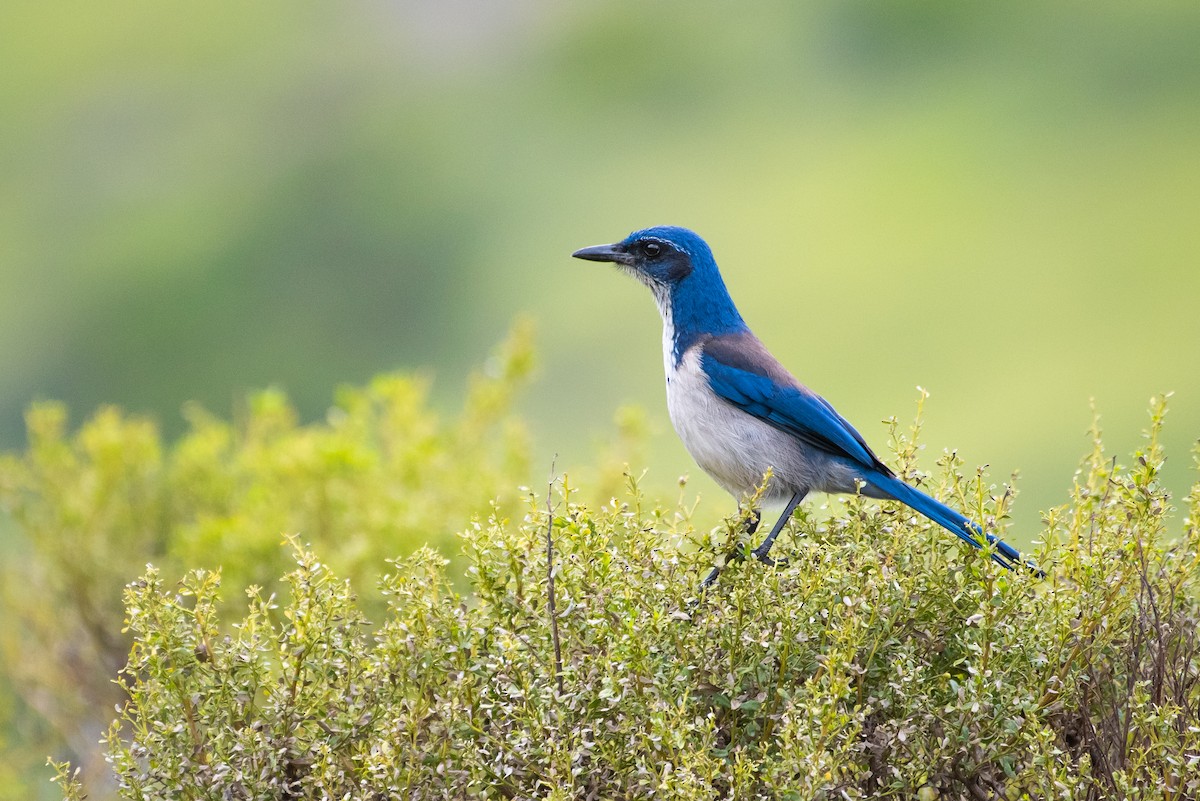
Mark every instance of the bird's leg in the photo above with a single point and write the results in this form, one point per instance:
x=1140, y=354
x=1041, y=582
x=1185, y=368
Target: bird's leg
x=710, y=578
x=751, y=527
x=760, y=553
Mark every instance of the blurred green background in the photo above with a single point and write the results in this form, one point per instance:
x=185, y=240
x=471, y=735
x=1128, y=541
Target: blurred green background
x=997, y=203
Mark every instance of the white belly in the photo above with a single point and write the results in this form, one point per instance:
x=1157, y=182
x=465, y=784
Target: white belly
x=733, y=447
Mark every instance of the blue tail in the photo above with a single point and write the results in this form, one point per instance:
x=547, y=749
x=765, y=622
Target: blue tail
x=963, y=527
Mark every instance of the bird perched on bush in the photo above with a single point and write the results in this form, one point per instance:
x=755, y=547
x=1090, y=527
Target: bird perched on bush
x=740, y=413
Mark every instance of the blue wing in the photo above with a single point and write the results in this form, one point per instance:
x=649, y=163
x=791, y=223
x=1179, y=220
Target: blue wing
x=790, y=407
x=741, y=371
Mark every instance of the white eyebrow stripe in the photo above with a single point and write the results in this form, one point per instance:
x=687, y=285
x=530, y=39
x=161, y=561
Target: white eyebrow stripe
x=667, y=243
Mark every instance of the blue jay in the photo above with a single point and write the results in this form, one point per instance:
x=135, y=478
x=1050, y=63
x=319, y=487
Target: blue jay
x=740, y=412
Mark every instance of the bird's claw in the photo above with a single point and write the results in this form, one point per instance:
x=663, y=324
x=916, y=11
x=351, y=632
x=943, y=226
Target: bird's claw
x=768, y=561
x=710, y=579
x=738, y=556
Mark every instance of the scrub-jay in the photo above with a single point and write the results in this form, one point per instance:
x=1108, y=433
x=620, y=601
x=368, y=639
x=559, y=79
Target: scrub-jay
x=740, y=412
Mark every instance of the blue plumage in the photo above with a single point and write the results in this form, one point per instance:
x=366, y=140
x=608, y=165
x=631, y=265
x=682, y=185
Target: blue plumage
x=807, y=416
x=739, y=412
x=943, y=515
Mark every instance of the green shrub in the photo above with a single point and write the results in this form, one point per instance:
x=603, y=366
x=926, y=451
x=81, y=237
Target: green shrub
x=381, y=476
x=885, y=660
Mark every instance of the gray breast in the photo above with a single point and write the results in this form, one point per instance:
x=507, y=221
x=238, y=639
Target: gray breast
x=735, y=448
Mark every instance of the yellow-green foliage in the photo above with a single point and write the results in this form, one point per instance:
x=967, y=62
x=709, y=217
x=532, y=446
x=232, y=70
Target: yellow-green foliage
x=381, y=476
x=884, y=661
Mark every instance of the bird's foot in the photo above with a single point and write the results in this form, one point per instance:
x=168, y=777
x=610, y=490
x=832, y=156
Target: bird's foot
x=769, y=561
x=710, y=579
x=737, y=556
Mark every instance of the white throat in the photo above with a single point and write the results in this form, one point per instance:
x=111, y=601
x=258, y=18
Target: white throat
x=664, y=308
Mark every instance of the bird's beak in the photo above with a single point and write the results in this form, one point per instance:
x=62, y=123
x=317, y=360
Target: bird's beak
x=612, y=253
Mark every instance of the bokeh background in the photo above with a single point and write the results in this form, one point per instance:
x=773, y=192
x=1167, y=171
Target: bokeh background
x=997, y=203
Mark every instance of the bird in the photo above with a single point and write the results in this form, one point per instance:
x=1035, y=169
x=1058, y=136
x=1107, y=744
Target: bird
x=740, y=413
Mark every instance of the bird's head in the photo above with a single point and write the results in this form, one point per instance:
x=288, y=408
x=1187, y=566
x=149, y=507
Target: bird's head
x=679, y=268
x=662, y=258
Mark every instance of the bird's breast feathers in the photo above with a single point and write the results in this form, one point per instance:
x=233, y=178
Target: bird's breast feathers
x=735, y=448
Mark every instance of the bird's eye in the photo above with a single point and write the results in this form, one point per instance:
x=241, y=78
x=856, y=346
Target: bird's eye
x=652, y=249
